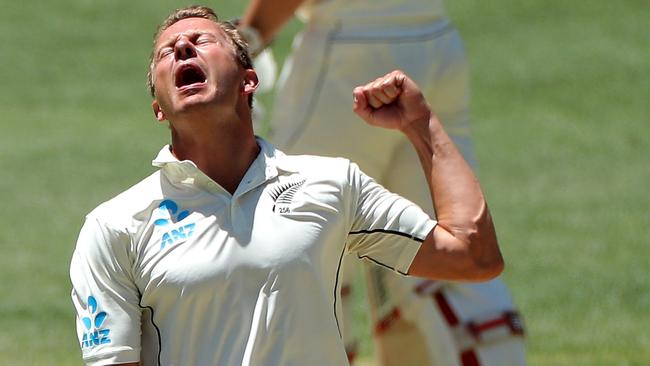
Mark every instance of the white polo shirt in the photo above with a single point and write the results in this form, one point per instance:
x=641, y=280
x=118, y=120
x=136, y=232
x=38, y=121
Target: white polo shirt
x=177, y=271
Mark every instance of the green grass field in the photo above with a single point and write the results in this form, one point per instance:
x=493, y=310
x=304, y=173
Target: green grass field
x=560, y=104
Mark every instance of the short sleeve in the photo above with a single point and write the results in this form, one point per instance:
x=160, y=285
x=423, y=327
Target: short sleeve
x=387, y=229
x=104, y=295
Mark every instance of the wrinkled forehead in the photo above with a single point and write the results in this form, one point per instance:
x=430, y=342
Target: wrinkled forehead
x=190, y=27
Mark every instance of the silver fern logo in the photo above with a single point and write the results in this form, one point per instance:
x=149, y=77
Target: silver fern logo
x=283, y=195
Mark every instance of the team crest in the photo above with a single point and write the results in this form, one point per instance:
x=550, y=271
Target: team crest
x=284, y=194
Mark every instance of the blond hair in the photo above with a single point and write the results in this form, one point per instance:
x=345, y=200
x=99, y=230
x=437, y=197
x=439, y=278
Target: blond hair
x=241, y=47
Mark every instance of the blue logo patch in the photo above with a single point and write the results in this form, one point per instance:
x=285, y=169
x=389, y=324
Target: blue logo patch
x=94, y=334
x=178, y=234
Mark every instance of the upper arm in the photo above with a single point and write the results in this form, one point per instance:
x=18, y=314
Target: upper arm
x=104, y=295
x=387, y=228
x=446, y=257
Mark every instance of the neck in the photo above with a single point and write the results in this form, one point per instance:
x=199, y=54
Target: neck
x=223, y=150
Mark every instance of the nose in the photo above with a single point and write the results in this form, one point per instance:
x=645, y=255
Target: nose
x=184, y=49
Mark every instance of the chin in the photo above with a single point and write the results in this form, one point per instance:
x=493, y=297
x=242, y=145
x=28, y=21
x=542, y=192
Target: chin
x=193, y=104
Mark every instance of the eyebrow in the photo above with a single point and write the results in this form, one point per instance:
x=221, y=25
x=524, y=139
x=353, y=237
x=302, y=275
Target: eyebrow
x=189, y=33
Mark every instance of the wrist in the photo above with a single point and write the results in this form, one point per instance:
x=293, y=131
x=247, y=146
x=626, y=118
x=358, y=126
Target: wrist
x=420, y=126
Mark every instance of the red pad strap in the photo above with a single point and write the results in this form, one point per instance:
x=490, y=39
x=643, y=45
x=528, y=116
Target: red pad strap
x=446, y=309
x=385, y=323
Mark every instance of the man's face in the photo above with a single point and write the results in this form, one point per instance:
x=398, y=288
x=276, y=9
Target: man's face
x=194, y=64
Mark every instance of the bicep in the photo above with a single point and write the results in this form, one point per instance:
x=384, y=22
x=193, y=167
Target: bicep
x=442, y=256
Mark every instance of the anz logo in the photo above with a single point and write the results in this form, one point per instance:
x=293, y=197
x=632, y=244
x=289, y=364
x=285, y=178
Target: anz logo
x=94, y=334
x=172, y=235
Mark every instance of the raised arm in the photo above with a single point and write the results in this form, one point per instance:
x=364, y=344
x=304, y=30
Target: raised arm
x=463, y=246
x=268, y=17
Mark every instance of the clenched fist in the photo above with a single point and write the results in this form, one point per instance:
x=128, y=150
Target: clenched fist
x=392, y=101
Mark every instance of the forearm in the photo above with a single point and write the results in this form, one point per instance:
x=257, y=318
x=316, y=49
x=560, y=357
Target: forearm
x=459, y=203
x=268, y=17
x=458, y=199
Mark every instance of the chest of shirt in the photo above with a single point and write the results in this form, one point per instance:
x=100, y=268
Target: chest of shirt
x=216, y=243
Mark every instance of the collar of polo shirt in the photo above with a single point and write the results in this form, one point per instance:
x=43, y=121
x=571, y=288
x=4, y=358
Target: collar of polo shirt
x=267, y=165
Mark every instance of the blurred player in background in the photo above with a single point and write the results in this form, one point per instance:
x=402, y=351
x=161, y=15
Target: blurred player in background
x=416, y=321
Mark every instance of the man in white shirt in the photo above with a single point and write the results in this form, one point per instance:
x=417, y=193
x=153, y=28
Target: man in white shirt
x=230, y=254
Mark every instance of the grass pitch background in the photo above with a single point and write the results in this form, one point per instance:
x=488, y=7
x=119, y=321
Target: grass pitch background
x=560, y=107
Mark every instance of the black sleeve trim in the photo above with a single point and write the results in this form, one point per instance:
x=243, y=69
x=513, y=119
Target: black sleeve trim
x=155, y=326
x=387, y=232
x=336, y=291
x=381, y=264
x=384, y=231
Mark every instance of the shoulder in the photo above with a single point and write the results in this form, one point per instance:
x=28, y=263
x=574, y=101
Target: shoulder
x=308, y=165
x=314, y=166
x=334, y=176
x=120, y=210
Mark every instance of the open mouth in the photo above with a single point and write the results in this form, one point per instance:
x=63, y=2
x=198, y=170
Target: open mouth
x=189, y=74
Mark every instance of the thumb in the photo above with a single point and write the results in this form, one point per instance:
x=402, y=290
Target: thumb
x=360, y=104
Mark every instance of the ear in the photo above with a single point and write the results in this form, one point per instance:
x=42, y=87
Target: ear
x=250, y=81
x=157, y=111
